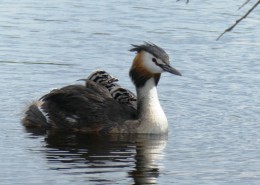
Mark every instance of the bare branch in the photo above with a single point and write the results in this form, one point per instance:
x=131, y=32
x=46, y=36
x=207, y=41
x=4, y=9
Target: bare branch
x=244, y=4
x=239, y=20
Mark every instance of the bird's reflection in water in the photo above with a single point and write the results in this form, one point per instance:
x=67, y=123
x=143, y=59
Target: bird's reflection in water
x=149, y=151
x=106, y=159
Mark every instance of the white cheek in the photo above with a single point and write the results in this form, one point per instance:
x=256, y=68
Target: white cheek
x=149, y=64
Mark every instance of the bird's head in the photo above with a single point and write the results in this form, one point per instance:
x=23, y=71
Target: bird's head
x=150, y=61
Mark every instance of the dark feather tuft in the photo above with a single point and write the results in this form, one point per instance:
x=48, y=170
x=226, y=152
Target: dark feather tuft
x=153, y=49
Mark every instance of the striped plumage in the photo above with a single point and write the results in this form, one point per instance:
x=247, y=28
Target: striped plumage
x=102, y=77
x=120, y=94
x=124, y=96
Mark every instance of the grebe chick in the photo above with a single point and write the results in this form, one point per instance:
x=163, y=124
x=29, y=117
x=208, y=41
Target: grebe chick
x=124, y=96
x=101, y=77
x=85, y=109
x=117, y=92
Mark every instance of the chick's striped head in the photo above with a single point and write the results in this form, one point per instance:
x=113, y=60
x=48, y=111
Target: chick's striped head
x=122, y=95
x=102, y=77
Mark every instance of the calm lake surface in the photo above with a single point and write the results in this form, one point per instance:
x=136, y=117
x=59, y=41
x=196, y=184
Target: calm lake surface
x=213, y=109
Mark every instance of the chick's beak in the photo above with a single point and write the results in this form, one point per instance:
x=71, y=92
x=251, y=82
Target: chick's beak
x=170, y=69
x=82, y=80
x=113, y=80
x=133, y=99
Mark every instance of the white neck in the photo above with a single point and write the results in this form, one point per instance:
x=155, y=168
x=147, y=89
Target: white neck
x=150, y=113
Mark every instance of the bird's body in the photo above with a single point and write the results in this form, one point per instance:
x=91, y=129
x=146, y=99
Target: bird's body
x=93, y=108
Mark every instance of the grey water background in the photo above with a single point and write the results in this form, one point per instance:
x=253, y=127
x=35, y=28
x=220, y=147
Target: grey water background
x=213, y=109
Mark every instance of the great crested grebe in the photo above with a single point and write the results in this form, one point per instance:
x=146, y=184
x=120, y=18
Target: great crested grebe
x=91, y=108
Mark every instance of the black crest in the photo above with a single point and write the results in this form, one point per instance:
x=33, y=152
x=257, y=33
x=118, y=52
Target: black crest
x=153, y=49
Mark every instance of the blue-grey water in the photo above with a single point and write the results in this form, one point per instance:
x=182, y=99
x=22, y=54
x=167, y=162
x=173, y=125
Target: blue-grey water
x=213, y=109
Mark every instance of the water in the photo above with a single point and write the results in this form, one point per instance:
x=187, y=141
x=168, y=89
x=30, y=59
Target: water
x=213, y=110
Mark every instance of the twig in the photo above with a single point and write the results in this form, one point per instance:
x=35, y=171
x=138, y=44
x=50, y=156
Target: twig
x=244, y=4
x=239, y=20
